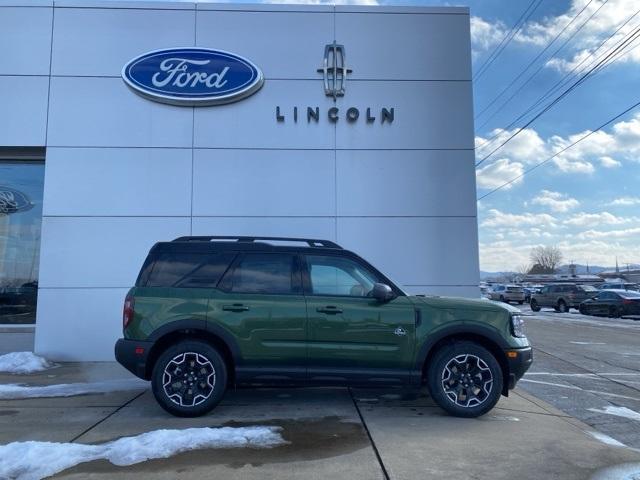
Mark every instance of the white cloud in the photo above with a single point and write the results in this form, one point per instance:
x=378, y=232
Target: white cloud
x=625, y=202
x=628, y=232
x=498, y=173
x=556, y=201
x=596, y=219
x=497, y=218
x=592, y=34
x=608, y=162
x=485, y=35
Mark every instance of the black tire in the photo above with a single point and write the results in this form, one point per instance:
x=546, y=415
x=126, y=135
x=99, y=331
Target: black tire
x=534, y=305
x=583, y=310
x=208, y=380
x=614, y=312
x=563, y=307
x=502, y=298
x=520, y=302
x=459, y=359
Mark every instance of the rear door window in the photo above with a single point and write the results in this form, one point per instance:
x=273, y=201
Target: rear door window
x=264, y=273
x=188, y=270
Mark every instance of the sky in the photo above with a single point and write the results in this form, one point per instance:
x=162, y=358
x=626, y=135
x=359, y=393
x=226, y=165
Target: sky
x=585, y=200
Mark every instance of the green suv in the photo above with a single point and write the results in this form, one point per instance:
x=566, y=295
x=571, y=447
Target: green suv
x=212, y=312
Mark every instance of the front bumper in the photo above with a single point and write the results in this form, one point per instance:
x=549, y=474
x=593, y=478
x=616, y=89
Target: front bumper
x=519, y=360
x=132, y=355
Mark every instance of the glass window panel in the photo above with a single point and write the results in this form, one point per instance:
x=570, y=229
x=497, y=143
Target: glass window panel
x=339, y=276
x=21, y=187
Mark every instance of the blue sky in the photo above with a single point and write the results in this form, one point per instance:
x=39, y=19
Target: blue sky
x=587, y=200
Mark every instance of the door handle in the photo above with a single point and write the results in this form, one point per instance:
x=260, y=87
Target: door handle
x=329, y=310
x=236, y=307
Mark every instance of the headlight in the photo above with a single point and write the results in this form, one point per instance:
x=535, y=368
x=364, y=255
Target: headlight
x=517, y=326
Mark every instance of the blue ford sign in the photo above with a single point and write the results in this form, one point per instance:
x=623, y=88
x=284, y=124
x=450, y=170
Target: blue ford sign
x=192, y=76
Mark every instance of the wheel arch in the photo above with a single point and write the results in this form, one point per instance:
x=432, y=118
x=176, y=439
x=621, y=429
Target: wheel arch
x=175, y=332
x=482, y=336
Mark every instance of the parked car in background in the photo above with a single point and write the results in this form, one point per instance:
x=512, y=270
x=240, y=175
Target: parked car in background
x=562, y=297
x=613, y=303
x=485, y=292
x=620, y=286
x=507, y=293
x=530, y=290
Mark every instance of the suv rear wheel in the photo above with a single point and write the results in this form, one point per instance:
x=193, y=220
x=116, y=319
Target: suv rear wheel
x=189, y=378
x=534, y=305
x=563, y=307
x=465, y=379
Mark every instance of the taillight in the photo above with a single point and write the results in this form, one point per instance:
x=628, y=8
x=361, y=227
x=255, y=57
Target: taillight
x=127, y=311
x=627, y=301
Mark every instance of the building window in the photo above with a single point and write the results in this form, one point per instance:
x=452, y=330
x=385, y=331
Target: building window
x=21, y=188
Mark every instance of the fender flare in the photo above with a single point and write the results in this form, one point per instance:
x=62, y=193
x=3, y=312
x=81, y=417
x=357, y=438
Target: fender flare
x=457, y=329
x=201, y=325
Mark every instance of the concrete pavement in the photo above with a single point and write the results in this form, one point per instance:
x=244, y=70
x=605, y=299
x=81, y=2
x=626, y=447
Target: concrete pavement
x=332, y=433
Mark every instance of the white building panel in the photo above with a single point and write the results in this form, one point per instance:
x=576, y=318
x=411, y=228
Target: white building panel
x=427, y=115
x=234, y=125
x=25, y=40
x=103, y=112
x=281, y=183
x=385, y=56
x=306, y=227
x=79, y=323
x=377, y=183
x=23, y=121
x=276, y=51
x=431, y=251
x=118, y=181
x=94, y=252
x=99, y=41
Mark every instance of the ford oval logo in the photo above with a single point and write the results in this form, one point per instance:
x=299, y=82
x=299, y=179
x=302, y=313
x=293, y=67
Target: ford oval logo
x=192, y=76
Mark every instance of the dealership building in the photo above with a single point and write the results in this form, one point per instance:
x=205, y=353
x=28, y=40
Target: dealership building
x=128, y=123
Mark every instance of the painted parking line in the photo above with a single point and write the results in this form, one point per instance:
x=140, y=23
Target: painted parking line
x=574, y=387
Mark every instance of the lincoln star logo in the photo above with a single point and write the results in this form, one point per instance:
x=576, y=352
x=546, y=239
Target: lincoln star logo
x=192, y=76
x=13, y=201
x=334, y=70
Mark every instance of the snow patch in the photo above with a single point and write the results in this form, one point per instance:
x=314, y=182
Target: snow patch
x=618, y=412
x=588, y=343
x=23, y=362
x=606, y=439
x=14, y=391
x=35, y=460
x=625, y=471
x=501, y=418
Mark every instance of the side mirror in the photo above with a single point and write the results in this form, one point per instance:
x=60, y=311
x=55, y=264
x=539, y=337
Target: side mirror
x=382, y=292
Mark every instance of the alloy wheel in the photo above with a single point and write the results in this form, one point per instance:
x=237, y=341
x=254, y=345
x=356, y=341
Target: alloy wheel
x=467, y=380
x=189, y=379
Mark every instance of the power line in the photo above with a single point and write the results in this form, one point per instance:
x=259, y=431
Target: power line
x=533, y=75
x=507, y=38
x=533, y=61
x=608, y=122
x=566, y=79
x=559, y=98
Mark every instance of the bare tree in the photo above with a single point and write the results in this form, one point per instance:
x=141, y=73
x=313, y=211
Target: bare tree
x=545, y=259
x=524, y=269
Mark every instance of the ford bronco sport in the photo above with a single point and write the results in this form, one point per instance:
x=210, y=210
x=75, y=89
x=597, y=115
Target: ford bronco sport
x=211, y=312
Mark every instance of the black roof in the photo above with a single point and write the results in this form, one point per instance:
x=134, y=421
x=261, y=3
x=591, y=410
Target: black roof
x=245, y=243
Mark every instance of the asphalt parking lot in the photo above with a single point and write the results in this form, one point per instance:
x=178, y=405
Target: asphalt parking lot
x=588, y=367
x=574, y=416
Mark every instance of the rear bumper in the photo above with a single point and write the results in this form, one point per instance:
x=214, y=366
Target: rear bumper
x=132, y=355
x=519, y=364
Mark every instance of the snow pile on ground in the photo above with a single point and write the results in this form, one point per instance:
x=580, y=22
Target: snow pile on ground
x=14, y=391
x=23, y=362
x=36, y=460
x=606, y=439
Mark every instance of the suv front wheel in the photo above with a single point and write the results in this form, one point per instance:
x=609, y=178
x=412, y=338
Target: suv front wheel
x=189, y=378
x=465, y=379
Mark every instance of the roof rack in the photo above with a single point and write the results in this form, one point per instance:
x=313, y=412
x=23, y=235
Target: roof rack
x=309, y=241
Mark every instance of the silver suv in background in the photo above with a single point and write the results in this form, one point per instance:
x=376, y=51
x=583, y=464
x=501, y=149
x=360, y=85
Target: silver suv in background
x=562, y=297
x=507, y=293
x=620, y=286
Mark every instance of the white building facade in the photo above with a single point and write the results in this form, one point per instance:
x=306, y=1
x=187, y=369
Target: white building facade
x=385, y=169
